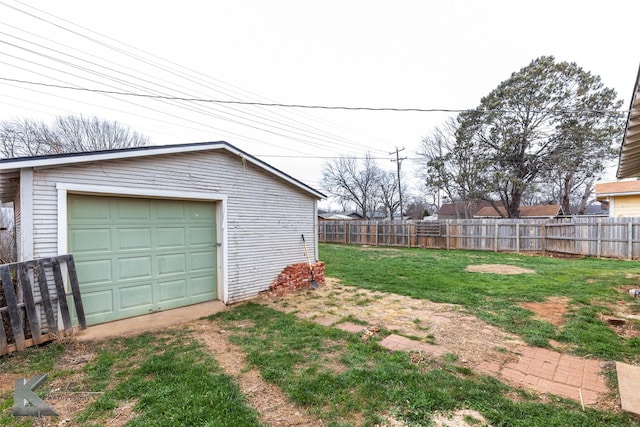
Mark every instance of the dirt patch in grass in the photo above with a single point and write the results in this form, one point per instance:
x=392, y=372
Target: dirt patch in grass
x=7, y=381
x=552, y=310
x=499, y=269
x=273, y=406
x=460, y=418
x=472, y=340
x=67, y=395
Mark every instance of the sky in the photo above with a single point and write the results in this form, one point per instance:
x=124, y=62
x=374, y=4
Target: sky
x=334, y=53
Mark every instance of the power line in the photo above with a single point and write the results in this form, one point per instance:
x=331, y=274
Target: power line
x=309, y=106
x=178, y=70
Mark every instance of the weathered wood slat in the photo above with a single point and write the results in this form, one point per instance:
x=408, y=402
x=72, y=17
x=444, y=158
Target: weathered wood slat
x=62, y=299
x=27, y=293
x=3, y=339
x=45, y=297
x=29, y=342
x=25, y=273
x=75, y=290
x=12, y=303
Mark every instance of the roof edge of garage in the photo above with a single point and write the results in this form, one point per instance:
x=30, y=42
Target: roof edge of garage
x=629, y=167
x=14, y=164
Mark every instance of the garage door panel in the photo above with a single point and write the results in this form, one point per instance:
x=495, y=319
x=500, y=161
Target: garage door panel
x=202, y=288
x=139, y=296
x=174, y=290
x=101, y=302
x=202, y=211
x=90, y=211
x=91, y=240
x=173, y=237
x=172, y=264
x=132, y=209
x=142, y=255
x=171, y=210
x=94, y=271
x=202, y=236
x=202, y=261
x=133, y=238
x=134, y=267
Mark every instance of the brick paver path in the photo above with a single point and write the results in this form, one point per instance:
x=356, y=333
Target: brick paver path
x=548, y=371
x=541, y=370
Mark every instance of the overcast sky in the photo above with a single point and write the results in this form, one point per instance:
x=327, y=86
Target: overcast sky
x=355, y=53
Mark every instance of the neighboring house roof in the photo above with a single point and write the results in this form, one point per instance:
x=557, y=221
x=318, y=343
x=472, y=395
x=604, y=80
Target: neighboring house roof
x=10, y=168
x=335, y=216
x=629, y=160
x=618, y=188
x=449, y=209
x=539, y=211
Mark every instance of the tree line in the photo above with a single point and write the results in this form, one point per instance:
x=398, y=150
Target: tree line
x=544, y=135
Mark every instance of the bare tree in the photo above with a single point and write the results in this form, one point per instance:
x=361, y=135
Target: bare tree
x=354, y=182
x=26, y=137
x=389, y=193
x=451, y=165
x=418, y=207
x=78, y=133
x=68, y=134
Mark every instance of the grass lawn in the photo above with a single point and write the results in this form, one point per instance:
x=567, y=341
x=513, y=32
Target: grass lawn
x=170, y=377
x=594, y=287
x=346, y=381
x=166, y=378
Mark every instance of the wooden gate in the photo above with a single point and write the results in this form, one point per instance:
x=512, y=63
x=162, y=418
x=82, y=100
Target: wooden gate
x=24, y=304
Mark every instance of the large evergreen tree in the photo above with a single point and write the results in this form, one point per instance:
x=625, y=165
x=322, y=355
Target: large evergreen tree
x=550, y=121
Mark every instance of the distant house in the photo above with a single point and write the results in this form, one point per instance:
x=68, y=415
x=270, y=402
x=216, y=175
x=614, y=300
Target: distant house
x=457, y=210
x=338, y=216
x=600, y=208
x=539, y=211
x=623, y=197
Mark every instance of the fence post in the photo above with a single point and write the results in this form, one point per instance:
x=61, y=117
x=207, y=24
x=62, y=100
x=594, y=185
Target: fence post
x=517, y=237
x=408, y=228
x=495, y=237
x=598, y=238
x=543, y=238
x=346, y=240
x=630, y=241
x=448, y=229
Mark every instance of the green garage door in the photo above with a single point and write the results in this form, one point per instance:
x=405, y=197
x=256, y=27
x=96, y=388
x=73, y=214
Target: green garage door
x=135, y=256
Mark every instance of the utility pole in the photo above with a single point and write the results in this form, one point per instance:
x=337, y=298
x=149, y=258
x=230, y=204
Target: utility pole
x=399, y=161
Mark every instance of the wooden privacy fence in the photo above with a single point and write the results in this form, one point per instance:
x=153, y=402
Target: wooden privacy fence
x=23, y=305
x=590, y=236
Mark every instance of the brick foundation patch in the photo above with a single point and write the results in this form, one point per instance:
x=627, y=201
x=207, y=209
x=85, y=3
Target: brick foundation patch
x=297, y=276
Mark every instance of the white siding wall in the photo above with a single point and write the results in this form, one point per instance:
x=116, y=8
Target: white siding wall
x=265, y=215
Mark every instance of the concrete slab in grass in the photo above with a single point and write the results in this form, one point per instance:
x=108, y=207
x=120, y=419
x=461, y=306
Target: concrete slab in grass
x=629, y=387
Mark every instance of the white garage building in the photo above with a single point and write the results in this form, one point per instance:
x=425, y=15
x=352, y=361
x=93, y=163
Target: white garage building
x=160, y=227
